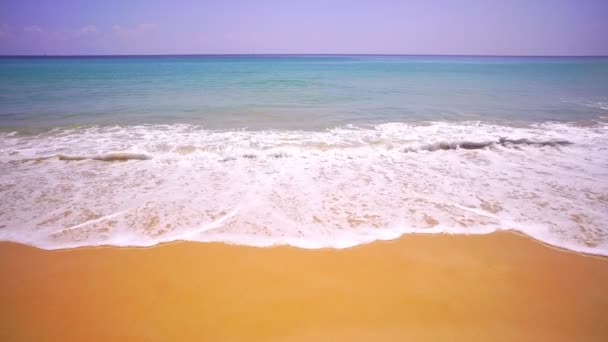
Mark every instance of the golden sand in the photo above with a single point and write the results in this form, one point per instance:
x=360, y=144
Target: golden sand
x=497, y=287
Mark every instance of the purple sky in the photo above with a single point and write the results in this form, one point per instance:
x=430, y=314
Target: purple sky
x=489, y=27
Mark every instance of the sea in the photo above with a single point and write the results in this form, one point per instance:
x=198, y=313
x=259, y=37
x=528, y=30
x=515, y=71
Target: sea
x=310, y=151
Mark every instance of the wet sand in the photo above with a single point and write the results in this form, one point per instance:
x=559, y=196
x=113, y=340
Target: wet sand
x=497, y=287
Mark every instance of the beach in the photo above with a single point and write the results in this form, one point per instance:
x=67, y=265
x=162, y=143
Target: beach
x=303, y=171
x=303, y=197
x=500, y=287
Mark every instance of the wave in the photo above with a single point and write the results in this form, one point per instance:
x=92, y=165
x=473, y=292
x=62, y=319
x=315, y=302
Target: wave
x=437, y=146
x=475, y=145
x=110, y=157
x=143, y=185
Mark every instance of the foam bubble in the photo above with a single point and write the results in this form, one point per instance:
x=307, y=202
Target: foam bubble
x=311, y=189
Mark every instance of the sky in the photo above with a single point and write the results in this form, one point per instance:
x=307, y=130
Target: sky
x=464, y=27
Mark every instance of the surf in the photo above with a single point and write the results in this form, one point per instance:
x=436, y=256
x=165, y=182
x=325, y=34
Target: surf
x=140, y=185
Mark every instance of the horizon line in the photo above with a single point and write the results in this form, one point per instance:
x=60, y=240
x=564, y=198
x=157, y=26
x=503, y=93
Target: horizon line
x=285, y=54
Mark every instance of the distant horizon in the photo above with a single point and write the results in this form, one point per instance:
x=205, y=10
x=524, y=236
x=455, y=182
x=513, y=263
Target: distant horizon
x=290, y=54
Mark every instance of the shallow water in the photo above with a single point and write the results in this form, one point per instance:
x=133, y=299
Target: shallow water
x=310, y=151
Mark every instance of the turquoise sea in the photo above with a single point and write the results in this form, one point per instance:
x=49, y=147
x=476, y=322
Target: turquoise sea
x=297, y=92
x=309, y=150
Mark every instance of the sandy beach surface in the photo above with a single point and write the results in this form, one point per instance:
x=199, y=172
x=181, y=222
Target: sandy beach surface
x=497, y=287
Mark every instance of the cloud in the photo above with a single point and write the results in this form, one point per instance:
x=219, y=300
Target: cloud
x=4, y=31
x=127, y=32
x=88, y=29
x=85, y=39
x=146, y=26
x=33, y=29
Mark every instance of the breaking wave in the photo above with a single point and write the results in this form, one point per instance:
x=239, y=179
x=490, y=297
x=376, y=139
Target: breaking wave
x=475, y=145
x=143, y=185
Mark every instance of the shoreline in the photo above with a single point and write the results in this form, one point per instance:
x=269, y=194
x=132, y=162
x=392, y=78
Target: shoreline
x=379, y=241
x=499, y=286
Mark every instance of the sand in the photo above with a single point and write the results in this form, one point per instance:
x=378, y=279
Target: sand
x=497, y=287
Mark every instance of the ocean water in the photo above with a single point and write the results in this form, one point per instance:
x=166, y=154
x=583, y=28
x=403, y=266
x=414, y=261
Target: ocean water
x=307, y=151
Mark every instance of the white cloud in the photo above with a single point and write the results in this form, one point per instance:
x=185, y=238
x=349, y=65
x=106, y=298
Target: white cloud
x=33, y=29
x=4, y=31
x=146, y=26
x=87, y=39
x=88, y=29
x=131, y=32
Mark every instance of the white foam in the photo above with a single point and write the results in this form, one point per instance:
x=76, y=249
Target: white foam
x=336, y=188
